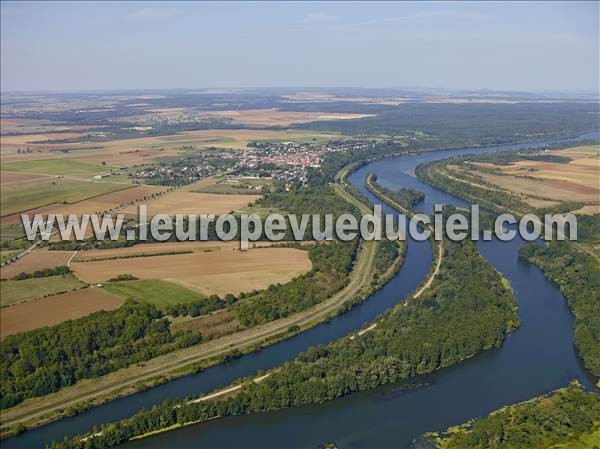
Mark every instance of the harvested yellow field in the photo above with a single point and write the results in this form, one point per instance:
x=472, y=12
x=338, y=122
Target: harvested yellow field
x=40, y=146
x=222, y=138
x=181, y=202
x=239, y=138
x=28, y=139
x=34, y=126
x=220, y=272
x=9, y=178
x=577, y=180
x=97, y=204
x=142, y=249
x=145, y=150
x=36, y=260
x=588, y=210
x=275, y=117
x=122, y=156
x=55, y=309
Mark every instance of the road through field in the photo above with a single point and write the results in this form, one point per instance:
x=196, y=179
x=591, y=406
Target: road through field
x=125, y=380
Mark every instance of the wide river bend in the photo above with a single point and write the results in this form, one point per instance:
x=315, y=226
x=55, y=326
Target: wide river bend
x=535, y=359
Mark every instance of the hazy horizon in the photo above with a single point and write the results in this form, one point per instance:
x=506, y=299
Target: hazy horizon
x=313, y=88
x=523, y=47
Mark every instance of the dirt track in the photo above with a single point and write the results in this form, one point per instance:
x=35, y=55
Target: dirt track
x=33, y=411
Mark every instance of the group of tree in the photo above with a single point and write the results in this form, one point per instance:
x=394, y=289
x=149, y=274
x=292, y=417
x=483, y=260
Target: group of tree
x=332, y=263
x=458, y=125
x=467, y=310
x=556, y=420
x=387, y=252
x=61, y=355
x=44, y=272
x=405, y=197
x=43, y=361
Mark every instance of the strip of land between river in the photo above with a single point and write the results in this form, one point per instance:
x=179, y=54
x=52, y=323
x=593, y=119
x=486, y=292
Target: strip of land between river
x=93, y=392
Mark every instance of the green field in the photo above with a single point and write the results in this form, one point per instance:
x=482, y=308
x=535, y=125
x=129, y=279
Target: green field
x=49, y=191
x=152, y=291
x=241, y=187
x=10, y=231
x=13, y=292
x=5, y=254
x=62, y=166
x=297, y=139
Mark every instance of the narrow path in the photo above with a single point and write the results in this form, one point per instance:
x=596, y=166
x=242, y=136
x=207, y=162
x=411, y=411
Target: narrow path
x=435, y=271
x=220, y=393
x=125, y=380
x=374, y=188
x=71, y=258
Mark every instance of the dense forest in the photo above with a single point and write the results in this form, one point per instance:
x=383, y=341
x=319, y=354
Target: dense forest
x=566, y=416
x=332, y=263
x=407, y=198
x=467, y=310
x=45, y=360
x=588, y=229
x=470, y=124
x=386, y=254
x=578, y=277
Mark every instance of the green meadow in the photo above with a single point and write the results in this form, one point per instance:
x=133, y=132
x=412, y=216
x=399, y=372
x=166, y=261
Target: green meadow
x=152, y=291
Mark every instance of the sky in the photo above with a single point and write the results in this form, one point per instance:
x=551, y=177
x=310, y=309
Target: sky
x=64, y=46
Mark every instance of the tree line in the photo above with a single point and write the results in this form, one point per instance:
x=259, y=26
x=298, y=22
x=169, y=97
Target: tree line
x=557, y=419
x=467, y=310
x=43, y=361
x=44, y=272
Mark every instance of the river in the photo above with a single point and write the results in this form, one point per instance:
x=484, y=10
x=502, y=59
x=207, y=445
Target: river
x=535, y=359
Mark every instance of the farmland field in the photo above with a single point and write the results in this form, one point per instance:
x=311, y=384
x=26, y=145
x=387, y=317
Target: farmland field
x=28, y=289
x=181, y=202
x=145, y=249
x=39, y=192
x=59, y=166
x=240, y=186
x=218, y=272
x=36, y=260
x=153, y=291
x=6, y=254
x=95, y=200
x=551, y=182
x=275, y=117
x=221, y=138
x=55, y=309
x=32, y=139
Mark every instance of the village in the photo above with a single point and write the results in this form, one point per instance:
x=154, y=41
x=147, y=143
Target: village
x=287, y=162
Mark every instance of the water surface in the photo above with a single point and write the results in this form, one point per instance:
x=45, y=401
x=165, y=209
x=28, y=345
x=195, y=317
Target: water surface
x=537, y=358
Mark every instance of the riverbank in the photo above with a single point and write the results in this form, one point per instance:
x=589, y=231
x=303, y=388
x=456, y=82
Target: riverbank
x=94, y=392
x=572, y=266
x=373, y=187
x=482, y=308
x=575, y=416
x=526, y=363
